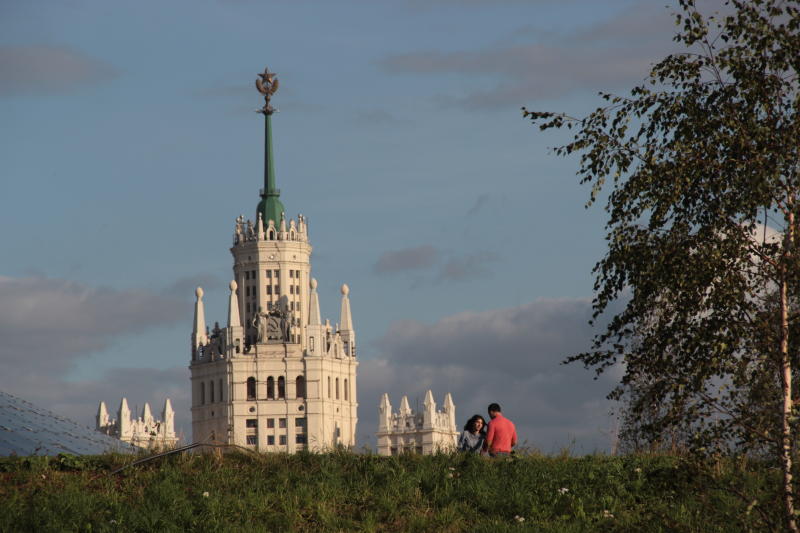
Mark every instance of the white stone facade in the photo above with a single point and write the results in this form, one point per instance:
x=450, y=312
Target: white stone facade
x=144, y=431
x=427, y=432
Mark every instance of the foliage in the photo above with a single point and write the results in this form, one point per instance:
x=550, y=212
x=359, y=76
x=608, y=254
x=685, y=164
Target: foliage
x=349, y=492
x=701, y=158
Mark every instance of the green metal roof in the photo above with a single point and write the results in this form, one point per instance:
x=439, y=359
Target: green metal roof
x=270, y=205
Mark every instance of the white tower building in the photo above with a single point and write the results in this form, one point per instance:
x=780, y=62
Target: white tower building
x=275, y=378
x=427, y=432
x=144, y=431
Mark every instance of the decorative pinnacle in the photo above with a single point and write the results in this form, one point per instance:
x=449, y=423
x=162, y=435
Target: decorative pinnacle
x=267, y=84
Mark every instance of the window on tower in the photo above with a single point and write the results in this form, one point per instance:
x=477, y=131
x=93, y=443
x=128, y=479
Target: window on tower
x=281, y=422
x=202, y=393
x=269, y=289
x=282, y=440
x=211, y=390
x=270, y=440
x=252, y=440
x=270, y=388
x=291, y=273
x=346, y=389
x=251, y=388
x=337, y=388
x=300, y=387
x=269, y=274
x=220, y=390
x=281, y=388
x=270, y=423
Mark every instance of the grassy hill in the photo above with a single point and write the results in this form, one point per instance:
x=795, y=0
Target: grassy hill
x=343, y=491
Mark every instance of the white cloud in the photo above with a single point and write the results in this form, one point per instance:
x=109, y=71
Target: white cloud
x=610, y=55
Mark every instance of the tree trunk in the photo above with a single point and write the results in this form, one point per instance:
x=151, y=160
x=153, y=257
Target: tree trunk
x=786, y=379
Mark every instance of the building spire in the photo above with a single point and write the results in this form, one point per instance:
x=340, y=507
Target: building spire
x=199, y=327
x=270, y=206
x=314, y=318
x=345, y=318
x=233, y=306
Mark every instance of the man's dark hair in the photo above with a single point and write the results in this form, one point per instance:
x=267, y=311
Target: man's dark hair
x=494, y=407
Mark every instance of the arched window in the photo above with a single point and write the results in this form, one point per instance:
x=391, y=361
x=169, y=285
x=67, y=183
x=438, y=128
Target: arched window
x=271, y=235
x=337, y=388
x=202, y=393
x=300, y=387
x=270, y=388
x=281, y=388
x=251, y=388
x=329, y=386
x=311, y=344
x=211, y=390
x=220, y=391
x=346, y=394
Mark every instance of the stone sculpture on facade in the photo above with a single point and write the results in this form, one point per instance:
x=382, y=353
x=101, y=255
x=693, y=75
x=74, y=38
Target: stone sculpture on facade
x=407, y=431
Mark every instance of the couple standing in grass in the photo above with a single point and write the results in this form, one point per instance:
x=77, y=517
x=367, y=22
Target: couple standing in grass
x=496, y=439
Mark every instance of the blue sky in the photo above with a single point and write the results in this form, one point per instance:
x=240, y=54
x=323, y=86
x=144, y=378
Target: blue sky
x=129, y=144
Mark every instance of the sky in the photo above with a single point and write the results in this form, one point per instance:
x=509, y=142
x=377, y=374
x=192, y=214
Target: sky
x=129, y=144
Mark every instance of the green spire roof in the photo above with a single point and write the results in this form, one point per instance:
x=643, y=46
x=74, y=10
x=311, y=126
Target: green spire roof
x=270, y=205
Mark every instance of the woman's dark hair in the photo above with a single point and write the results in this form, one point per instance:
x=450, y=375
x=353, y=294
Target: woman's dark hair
x=470, y=425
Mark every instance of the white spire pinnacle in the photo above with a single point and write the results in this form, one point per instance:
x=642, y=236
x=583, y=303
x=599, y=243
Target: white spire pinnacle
x=102, y=415
x=283, y=222
x=404, y=408
x=384, y=413
x=450, y=409
x=124, y=419
x=430, y=410
x=199, y=327
x=313, y=305
x=233, y=307
x=147, y=414
x=260, y=227
x=168, y=416
x=429, y=403
x=346, y=319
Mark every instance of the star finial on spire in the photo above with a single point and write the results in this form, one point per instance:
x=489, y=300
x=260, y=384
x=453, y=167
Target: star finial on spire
x=267, y=84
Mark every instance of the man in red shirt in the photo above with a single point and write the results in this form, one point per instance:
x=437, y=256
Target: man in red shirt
x=502, y=435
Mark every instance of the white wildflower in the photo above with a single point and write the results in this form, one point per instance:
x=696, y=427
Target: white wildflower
x=607, y=514
x=563, y=490
x=637, y=470
x=205, y=494
x=519, y=518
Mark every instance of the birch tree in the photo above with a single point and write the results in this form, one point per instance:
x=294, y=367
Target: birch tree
x=699, y=161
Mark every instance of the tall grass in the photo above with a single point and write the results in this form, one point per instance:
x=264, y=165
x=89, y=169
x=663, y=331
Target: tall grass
x=343, y=491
